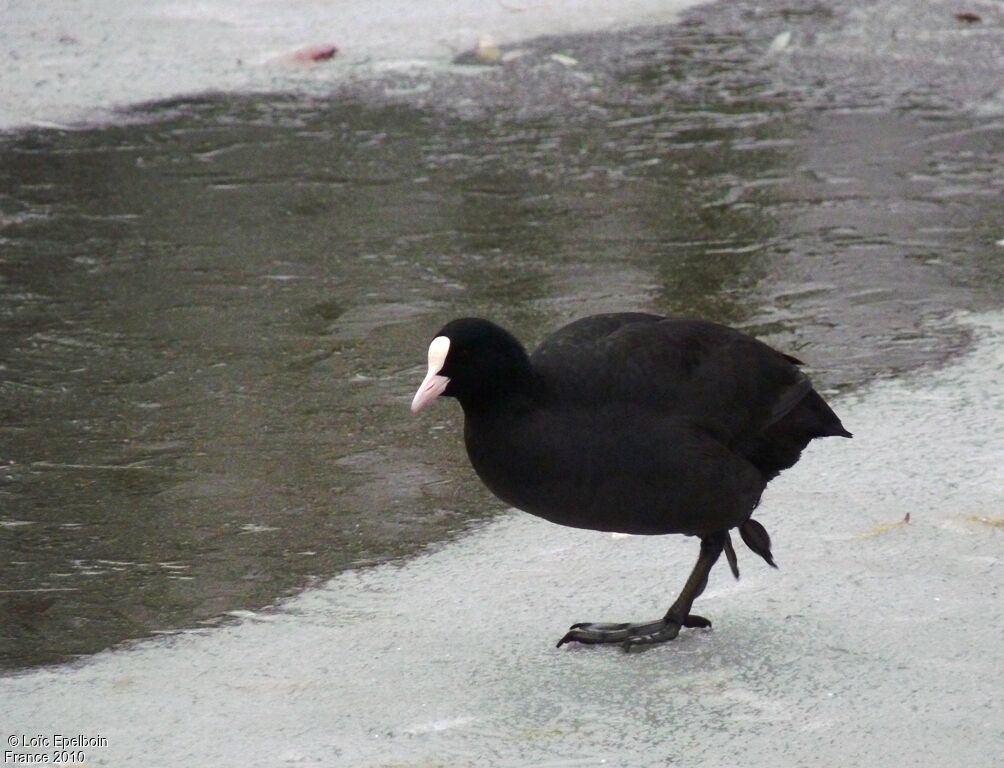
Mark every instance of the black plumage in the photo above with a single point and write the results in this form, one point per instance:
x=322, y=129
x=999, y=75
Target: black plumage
x=633, y=423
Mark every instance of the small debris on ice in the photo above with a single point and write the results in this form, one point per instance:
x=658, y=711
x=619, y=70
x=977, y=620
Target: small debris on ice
x=314, y=54
x=565, y=61
x=779, y=43
x=486, y=52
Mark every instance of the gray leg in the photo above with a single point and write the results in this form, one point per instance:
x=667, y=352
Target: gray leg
x=677, y=617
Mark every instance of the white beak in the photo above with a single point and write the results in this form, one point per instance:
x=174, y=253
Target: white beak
x=433, y=384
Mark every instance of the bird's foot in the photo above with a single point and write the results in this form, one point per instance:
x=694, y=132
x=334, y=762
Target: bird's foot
x=630, y=635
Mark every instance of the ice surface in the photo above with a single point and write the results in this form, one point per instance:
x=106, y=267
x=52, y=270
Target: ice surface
x=876, y=643
x=68, y=61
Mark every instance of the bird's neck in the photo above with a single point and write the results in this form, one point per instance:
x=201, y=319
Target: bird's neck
x=505, y=391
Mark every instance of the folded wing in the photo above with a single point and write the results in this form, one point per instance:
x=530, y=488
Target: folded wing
x=745, y=394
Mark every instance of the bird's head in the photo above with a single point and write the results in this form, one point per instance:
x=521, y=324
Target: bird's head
x=475, y=361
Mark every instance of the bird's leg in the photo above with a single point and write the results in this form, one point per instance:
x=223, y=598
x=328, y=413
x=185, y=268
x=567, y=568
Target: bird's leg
x=677, y=617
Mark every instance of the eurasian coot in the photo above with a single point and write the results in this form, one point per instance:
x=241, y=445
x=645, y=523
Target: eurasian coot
x=634, y=423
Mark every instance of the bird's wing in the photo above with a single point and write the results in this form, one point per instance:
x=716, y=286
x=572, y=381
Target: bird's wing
x=705, y=374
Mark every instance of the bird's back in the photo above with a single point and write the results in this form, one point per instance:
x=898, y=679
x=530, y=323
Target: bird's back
x=741, y=392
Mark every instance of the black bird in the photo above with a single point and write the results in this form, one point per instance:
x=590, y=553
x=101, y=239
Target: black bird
x=634, y=423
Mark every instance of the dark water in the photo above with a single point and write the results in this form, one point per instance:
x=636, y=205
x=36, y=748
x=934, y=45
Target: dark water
x=213, y=318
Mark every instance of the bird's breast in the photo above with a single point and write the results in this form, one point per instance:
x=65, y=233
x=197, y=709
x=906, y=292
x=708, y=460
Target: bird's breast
x=591, y=473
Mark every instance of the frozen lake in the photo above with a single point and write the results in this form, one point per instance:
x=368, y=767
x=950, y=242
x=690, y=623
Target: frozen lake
x=225, y=541
x=66, y=64
x=876, y=643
